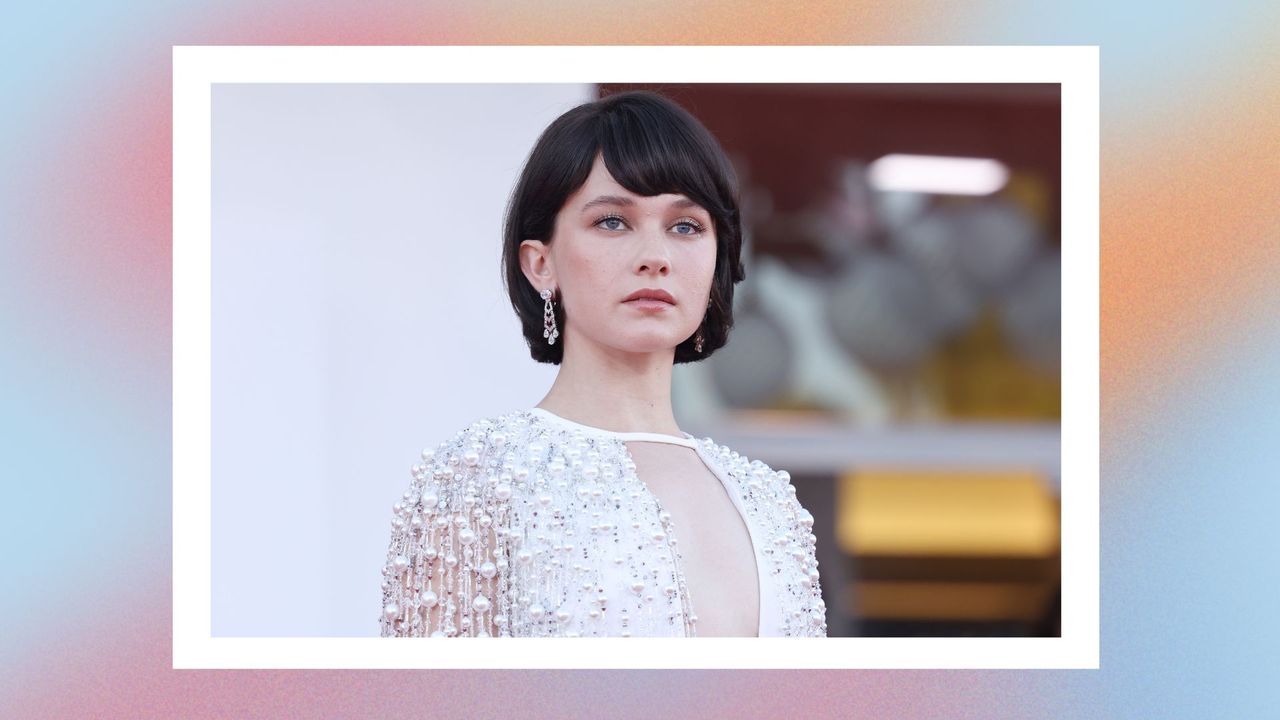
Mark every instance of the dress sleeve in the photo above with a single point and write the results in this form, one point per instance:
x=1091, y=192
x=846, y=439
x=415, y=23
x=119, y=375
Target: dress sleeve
x=445, y=573
x=810, y=583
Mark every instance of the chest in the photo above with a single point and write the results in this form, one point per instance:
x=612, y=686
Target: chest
x=627, y=539
x=714, y=550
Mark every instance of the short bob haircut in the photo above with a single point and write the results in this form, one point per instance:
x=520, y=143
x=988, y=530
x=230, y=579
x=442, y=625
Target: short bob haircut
x=651, y=146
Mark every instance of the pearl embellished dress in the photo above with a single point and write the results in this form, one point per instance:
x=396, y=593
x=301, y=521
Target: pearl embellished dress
x=531, y=525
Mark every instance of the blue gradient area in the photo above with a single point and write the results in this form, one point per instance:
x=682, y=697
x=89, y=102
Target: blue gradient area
x=86, y=442
x=1152, y=55
x=1189, y=574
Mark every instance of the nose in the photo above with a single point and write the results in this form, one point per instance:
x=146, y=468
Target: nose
x=653, y=254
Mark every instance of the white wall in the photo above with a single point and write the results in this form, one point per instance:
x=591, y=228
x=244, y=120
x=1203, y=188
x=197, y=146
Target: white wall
x=358, y=316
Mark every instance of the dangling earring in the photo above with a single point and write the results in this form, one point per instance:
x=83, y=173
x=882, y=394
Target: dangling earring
x=549, y=329
x=697, y=340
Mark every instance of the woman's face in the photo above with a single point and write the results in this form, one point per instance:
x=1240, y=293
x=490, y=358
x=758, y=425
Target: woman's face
x=609, y=243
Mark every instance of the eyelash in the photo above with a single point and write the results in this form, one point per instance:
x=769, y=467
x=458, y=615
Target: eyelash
x=697, y=226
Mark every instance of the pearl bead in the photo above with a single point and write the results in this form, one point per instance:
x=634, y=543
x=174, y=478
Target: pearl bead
x=429, y=599
x=401, y=564
x=487, y=570
x=480, y=604
x=391, y=611
x=502, y=492
x=466, y=536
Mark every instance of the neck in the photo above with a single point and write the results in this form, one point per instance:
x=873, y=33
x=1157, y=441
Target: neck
x=613, y=390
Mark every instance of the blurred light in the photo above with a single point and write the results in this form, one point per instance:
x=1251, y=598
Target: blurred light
x=937, y=174
x=946, y=513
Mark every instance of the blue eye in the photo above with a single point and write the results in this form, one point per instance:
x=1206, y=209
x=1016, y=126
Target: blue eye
x=608, y=218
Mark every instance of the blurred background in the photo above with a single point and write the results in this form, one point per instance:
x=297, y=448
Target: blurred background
x=897, y=340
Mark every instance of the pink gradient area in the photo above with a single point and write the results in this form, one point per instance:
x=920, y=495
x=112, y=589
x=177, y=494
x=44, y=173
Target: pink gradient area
x=1188, y=219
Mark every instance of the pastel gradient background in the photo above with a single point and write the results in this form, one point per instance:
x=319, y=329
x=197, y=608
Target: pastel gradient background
x=1190, y=363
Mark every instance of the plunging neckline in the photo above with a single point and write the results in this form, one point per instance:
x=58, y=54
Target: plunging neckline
x=690, y=442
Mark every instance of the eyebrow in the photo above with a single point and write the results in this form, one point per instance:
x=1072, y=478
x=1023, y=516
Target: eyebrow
x=617, y=200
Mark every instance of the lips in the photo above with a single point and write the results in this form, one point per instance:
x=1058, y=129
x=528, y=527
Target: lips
x=651, y=294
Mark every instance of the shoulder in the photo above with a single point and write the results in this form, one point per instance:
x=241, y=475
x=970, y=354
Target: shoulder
x=757, y=480
x=479, y=437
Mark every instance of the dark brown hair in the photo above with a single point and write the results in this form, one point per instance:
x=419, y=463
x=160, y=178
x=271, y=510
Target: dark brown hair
x=651, y=146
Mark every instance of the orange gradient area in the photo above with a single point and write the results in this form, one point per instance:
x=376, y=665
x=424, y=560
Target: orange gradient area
x=1188, y=241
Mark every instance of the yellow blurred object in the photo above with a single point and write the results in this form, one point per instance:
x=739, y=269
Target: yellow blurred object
x=977, y=375
x=890, y=512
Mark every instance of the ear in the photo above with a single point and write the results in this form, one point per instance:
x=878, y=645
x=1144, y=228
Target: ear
x=536, y=264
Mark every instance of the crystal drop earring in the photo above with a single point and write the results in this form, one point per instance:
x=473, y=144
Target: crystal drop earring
x=549, y=329
x=697, y=340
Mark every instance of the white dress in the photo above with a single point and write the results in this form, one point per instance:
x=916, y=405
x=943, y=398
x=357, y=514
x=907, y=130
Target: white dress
x=531, y=525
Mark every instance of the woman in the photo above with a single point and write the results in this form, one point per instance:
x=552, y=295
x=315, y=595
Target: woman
x=593, y=514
